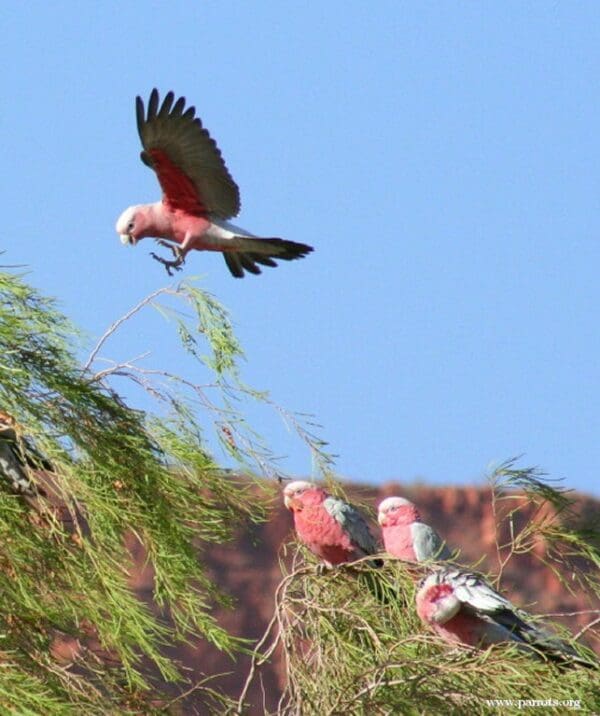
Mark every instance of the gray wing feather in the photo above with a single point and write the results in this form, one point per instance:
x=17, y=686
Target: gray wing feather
x=480, y=597
x=427, y=543
x=504, y=619
x=353, y=522
x=475, y=592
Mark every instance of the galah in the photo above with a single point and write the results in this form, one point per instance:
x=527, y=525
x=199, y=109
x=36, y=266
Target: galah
x=17, y=457
x=405, y=536
x=199, y=195
x=463, y=608
x=332, y=529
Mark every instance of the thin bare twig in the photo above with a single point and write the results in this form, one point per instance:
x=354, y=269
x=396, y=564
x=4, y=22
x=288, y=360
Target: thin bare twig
x=258, y=659
x=583, y=630
x=199, y=685
x=570, y=614
x=114, y=326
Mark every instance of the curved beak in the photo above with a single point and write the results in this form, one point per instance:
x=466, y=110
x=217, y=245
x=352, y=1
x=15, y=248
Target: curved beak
x=291, y=503
x=381, y=518
x=127, y=239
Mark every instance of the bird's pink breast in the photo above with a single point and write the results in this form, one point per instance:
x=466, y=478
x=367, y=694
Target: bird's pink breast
x=184, y=224
x=398, y=542
x=323, y=535
x=462, y=629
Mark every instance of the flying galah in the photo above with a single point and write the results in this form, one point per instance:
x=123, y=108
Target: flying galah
x=463, y=608
x=17, y=456
x=199, y=195
x=405, y=536
x=332, y=529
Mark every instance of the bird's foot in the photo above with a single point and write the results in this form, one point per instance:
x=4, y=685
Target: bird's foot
x=170, y=265
x=323, y=568
x=168, y=245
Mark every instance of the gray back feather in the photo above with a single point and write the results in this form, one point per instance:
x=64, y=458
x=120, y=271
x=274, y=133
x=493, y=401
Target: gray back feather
x=427, y=543
x=353, y=523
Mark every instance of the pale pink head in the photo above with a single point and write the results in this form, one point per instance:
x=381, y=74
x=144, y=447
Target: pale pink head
x=135, y=224
x=300, y=493
x=397, y=511
x=436, y=603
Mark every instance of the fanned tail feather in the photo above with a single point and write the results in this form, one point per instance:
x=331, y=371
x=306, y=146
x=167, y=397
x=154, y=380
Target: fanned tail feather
x=246, y=254
x=543, y=642
x=555, y=649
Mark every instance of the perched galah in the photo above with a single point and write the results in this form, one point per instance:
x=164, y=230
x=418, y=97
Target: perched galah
x=463, y=608
x=332, y=529
x=199, y=195
x=405, y=536
x=17, y=457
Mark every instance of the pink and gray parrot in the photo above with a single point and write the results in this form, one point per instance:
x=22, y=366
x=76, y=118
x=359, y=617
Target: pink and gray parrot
x=405, y=536
x=463, y=608
x=332, y=529
x=199, y=195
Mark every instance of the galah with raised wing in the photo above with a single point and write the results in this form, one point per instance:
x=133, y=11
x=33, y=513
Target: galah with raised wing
x=332, y=529
x=17, y=458
x=405, y=536
x=463, y=608
x=199, y=195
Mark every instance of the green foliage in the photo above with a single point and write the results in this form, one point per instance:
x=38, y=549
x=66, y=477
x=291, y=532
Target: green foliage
x=122, y=477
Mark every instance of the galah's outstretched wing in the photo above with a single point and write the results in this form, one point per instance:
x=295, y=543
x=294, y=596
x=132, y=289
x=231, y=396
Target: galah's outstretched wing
x=187, y=161
x=353, y=523
x=427, y=544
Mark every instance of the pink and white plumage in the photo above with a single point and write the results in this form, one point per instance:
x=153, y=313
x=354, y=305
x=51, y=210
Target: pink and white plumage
x=199, y=195
x=405, y=536
x=463, y=608
x=332, y=529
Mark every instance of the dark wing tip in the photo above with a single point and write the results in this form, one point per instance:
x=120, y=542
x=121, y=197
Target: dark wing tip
x=139, y=114
x=153, y=104
x=177, y=110
x=166, y=105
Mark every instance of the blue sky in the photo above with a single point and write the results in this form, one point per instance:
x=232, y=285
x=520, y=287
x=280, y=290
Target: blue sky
x=441, y=157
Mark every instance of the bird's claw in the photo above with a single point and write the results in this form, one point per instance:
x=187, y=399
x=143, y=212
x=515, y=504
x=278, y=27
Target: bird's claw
x=323, y=569
x=168, y=245
x=169, y=265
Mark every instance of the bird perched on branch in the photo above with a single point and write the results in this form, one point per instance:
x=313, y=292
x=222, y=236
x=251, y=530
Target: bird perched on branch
x=332, y=529
x=463, y=608
x=405, y=536
x=199, y=195
x=18, y=457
